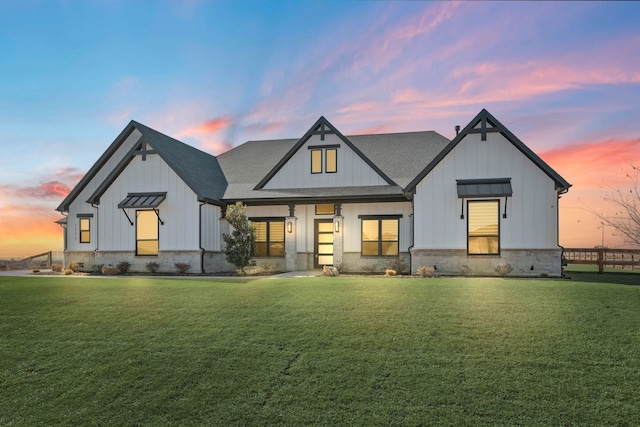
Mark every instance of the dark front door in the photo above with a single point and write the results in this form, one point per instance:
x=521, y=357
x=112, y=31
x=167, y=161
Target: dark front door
x=323, y=247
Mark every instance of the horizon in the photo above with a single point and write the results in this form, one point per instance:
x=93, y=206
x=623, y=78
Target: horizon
x=563, y=77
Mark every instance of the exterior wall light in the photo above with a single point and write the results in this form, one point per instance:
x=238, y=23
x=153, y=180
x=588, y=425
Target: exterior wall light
x=289, y=227
x=337, y=226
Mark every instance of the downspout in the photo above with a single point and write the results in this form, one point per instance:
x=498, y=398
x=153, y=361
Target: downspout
x=95, y=206
x=202, y=250
x=411, y=231
x=560, y=193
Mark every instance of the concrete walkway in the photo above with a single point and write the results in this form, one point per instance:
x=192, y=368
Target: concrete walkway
x=290, y=274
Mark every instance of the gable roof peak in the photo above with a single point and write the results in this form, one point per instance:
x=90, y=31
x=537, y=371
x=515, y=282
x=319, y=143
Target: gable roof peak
x=313, y=130
x=484, y=117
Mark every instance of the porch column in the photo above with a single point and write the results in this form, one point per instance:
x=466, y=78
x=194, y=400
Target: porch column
x=290, y=242
x=338, y=240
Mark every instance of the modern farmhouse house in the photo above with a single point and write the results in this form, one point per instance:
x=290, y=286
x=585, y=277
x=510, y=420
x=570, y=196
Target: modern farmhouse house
x=360, y=203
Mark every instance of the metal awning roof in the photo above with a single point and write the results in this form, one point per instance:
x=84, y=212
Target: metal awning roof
x=142, y=200
x=495, y=187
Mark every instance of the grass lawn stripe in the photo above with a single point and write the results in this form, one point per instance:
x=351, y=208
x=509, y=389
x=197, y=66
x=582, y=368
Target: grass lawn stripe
x=147, y=351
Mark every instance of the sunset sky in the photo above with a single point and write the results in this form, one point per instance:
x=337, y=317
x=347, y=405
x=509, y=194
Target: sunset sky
x=563, y=77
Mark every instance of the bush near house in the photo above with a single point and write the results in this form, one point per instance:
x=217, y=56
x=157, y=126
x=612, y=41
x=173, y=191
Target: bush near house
x=182, y=267
x=152, y=267
x=123, y=267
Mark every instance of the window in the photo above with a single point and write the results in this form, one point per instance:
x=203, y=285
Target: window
x=325, y=209
x=380, y=236
x=85, y=230
x=331, y=160
x=483, y=227
x=269, y=241
x=147, y=243
x=316, y=161
x=324, y=159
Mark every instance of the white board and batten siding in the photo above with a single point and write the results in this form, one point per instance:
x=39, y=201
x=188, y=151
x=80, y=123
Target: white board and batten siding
x=179, y=211
x=532, y=211
x=351, y=169
x=79, y=205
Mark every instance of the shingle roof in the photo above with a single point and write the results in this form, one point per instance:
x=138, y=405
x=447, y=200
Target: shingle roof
x=483, y=118
x=199, y=170
x=401, y=156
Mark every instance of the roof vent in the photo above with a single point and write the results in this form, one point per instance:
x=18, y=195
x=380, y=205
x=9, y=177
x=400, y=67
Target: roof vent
x=457, y=129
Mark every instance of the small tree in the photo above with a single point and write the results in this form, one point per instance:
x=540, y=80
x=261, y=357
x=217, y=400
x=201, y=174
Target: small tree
x=239, y=251
x=626, y=218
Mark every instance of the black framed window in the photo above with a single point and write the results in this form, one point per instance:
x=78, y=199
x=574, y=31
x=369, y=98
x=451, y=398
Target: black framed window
x=324, y=159
x=269, y=237
x=483, y=227
x=380, y=236
x=85, y=230
x=147, y=233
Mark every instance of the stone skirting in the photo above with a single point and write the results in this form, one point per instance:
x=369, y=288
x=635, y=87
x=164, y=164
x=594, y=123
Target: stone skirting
x=545, y=262
x=354, y=262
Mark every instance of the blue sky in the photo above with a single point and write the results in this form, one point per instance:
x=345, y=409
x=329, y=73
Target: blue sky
x=564, y=77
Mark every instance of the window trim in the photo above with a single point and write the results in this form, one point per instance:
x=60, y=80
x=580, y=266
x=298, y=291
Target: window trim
x=314, y=171
x=499, y=228
x=148, y=240
x=323, y=149
x=268, y=221
x=82, y=231
x=379, y=218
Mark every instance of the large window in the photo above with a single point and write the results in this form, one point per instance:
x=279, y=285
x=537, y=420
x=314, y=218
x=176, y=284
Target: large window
x=269, y=241
x=147, y=232
x=483, y=227
x=324, y=160
x=85, y=230
x=380, y=236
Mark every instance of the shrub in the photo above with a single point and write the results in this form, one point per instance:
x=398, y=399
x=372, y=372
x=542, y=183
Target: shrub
x=390, y=272
x=68, y=271
x=110, y=270
x=182, y=267
x=56, y=267
x=123, y=266
x=74, y=267
x=35, y=270
x=97, y=268
x=424, y=271
x=544, y=275
x=503, y=270
x=152, y=267
x=398, y=265
x=465, y=270
x=239, y=244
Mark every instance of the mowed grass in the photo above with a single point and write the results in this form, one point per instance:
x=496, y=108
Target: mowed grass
x=319, y=351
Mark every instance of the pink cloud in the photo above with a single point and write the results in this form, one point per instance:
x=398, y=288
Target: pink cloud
x=207, y=132
x=594, y=164
x=49, y=189
x=208, y=126
x=371, y=130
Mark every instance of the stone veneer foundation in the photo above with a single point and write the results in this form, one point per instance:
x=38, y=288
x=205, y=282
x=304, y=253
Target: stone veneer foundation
x=545, y=262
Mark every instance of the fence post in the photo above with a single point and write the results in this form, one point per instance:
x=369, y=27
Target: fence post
x=600, y=260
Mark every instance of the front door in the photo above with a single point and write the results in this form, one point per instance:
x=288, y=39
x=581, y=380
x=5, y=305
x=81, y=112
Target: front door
x=323, y=248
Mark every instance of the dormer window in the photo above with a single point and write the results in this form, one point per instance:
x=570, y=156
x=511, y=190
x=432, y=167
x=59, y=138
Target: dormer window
x=324, y=159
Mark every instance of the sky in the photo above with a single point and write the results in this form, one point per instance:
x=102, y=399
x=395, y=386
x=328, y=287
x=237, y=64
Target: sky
x=563, y=77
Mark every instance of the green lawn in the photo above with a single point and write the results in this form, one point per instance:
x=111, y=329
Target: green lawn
x=318, y=351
